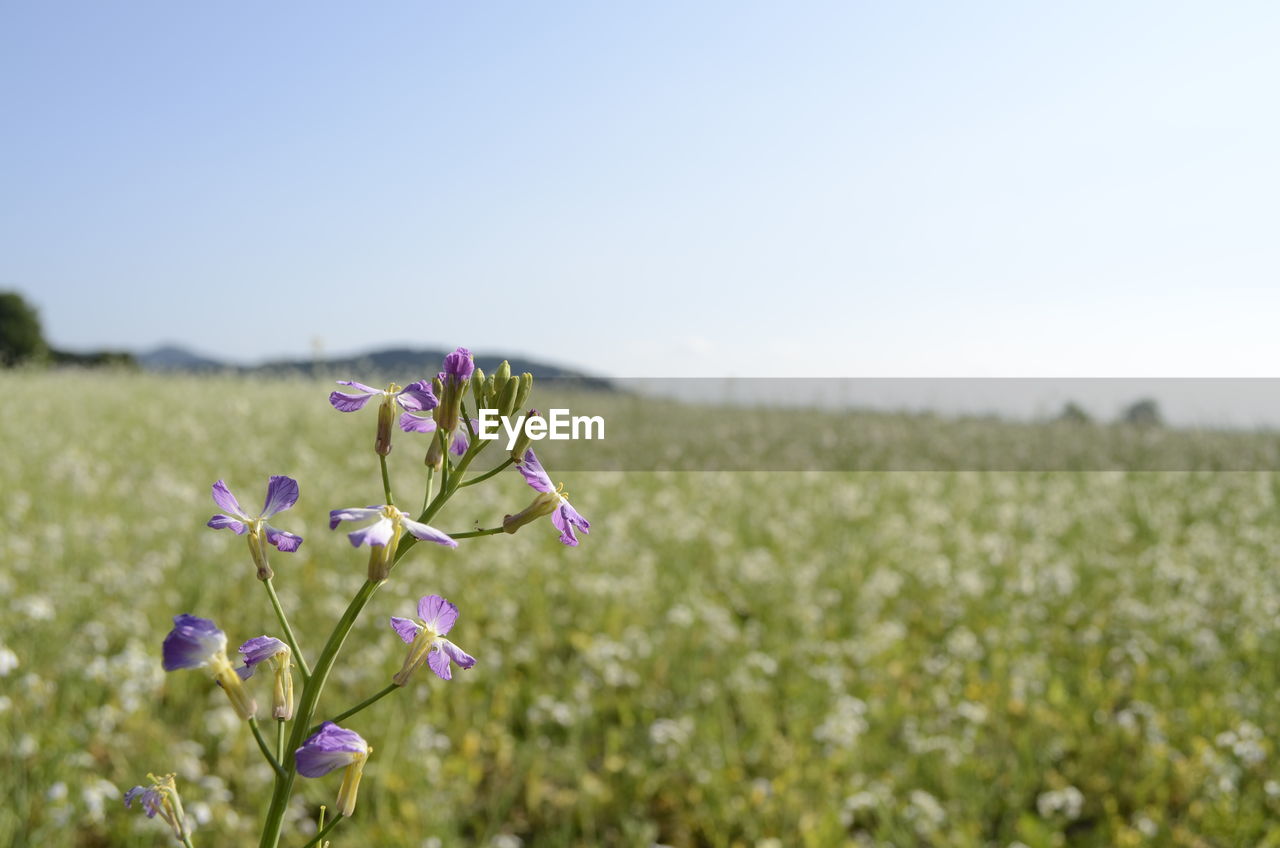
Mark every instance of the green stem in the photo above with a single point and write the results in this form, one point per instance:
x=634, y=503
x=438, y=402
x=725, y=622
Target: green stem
x=262, y=744
x=288, y=631
x=279, y=740
x=372, y=699
x=186, y=840
x=431, y=479
x=471, y=534
x=487, y=474
x=386, y=480
x=307, y=708
x=444, y=459
x=324, y=831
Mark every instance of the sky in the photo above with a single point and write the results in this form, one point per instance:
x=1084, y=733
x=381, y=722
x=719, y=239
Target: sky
x=654, y=189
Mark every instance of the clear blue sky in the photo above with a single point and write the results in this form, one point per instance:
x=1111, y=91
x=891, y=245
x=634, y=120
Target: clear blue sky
x=651, y=189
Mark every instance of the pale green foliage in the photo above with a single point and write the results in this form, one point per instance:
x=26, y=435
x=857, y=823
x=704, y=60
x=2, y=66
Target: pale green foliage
x=900, y=658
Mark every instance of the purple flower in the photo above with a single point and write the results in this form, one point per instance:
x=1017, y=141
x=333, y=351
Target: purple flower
x=551, y=500
x=277, y=655
x=196, y=643
x=458, y=366
x=425, y=638
x=329, y=748
x=282, y=494
x=389, y=526
x=160, y=798
x=260, y=649
x=415, y=397
x=333, y=747
x=152, y=799
x=383, y=535
x=193, y=642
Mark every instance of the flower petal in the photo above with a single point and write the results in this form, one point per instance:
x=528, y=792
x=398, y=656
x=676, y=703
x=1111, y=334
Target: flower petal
x=439, y=662
x=533, y=472
x=411, y=423
x=458, y=366
x=226, y=522
x=191, y=642
x=337, y=516
x=418, y=397
x=261, y=648
x=344, y=402
x=375, y=535
x=133, y=793
x=565, y=518
x=222, y=497
x=286, y=542
x=567, y=536
x=427, y=533
x=438, y=613
x=461, y=441
x=461, y=657
x=329, y=748
x=405, y=628
x=282, y=493
x=151, y=799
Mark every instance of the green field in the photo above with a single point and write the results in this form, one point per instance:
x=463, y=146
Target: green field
x=785, y=658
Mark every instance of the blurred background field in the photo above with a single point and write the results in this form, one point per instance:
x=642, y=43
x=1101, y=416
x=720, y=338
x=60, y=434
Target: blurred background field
x=730, y=659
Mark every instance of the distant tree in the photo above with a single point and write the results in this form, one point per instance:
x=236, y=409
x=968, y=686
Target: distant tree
x=1143, y=413
x=20, y=336
x=96, y=359
x=1074, y=413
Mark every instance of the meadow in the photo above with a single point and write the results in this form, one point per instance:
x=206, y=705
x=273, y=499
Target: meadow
x=906, y=658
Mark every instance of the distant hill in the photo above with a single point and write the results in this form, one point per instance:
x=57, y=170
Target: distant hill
x=380, y=365
x=174, y=358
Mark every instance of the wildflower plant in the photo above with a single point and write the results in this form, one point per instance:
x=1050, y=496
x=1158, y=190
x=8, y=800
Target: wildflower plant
x=304, y=744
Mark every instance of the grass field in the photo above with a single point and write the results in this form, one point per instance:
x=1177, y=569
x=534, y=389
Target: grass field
x=785, y=658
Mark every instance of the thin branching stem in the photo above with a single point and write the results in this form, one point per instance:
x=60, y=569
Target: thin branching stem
x=262, y=745
x=487, y=474
x=372, y=699
x=288, y=631
x=471, y=534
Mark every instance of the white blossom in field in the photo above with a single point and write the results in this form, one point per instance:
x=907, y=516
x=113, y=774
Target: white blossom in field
x=1066, y=802
x=8, y=661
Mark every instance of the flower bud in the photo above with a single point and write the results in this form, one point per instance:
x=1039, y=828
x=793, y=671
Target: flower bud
x=478, y=390
x=500, y=378
x=386, y=418
x=507, y=404
x=526, y=388
x=450, y=404
x=435, y=453
x=544, y=504
x=523, y=440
